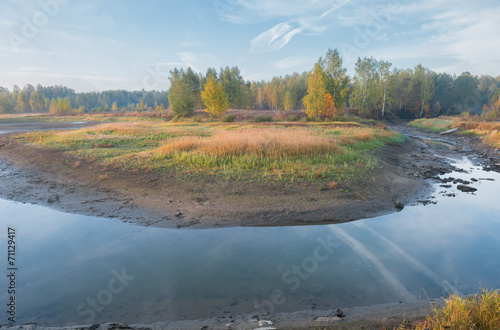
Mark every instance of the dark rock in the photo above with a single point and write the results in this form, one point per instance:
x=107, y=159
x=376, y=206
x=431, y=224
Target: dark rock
x=474, y=180
x=466, y=188
x=339, y=313
x=398, y=205
x=450, y=179
x=113, y=326
x=446, y=186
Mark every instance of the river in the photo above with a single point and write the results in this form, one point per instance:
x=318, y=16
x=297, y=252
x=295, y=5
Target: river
x=74, y=269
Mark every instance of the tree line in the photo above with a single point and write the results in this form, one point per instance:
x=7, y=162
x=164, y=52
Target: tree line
x=62, y=100
x=376, y=90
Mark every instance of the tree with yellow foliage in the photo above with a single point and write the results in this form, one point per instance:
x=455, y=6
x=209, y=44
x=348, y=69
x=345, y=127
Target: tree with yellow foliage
x=315, y=98
x=214, y=97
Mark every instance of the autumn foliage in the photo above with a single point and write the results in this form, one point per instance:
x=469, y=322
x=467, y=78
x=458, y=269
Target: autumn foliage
x=330, y=110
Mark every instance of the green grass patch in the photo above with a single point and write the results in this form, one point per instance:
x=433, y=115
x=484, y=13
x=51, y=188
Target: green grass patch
x=433, y=125
x=338, y=151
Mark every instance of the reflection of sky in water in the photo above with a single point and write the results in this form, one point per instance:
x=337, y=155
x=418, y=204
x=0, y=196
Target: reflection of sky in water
x=63, y=259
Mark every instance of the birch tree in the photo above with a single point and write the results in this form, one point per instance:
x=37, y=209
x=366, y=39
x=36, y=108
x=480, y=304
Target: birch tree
x=384, y=73
x=364, y=85
x=214, y=97
x=315, y=98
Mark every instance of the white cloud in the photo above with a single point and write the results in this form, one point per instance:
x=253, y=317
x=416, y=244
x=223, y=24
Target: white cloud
x=302, y=17
x=455, y=36
x=275, y=38
x=290, y=8
x=335, y=7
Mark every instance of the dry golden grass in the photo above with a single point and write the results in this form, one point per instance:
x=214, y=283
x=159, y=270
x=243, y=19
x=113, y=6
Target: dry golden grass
x=477, y=125
x=333, y=184
x=481, y=311
x=488, y=129
x=264, y=142
x=184, y=143
x=473, y=125
x=493, y=138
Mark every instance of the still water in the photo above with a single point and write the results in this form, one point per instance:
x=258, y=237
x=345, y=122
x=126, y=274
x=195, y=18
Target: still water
x=74, y=269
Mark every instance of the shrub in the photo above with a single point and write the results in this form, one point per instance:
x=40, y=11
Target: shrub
x=228, y=119
x=263, y=119
x=196, y=119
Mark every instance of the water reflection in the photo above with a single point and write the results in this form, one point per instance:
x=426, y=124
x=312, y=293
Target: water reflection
x=68, y=264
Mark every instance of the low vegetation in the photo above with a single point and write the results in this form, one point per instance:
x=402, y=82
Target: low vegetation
x=482, y=311
x=276, y=151
x=488, y=130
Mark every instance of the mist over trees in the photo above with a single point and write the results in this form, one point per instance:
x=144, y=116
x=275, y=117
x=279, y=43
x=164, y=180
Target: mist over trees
x=377, y=90
x=39, y=100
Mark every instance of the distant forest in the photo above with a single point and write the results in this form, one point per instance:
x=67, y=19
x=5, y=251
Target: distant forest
x=376, y=90
x=63, y=100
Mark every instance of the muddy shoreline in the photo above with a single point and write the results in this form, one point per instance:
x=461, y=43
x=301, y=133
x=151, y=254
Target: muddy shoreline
x=57, y=180
x=365, y=317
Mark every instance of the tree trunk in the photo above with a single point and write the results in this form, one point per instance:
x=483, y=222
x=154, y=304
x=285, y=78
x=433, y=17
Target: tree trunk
x=383, y=104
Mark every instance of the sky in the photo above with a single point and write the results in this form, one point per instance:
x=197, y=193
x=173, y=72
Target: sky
x=97, y=45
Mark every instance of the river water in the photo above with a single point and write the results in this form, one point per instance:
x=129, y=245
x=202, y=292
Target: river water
x=74, y=269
